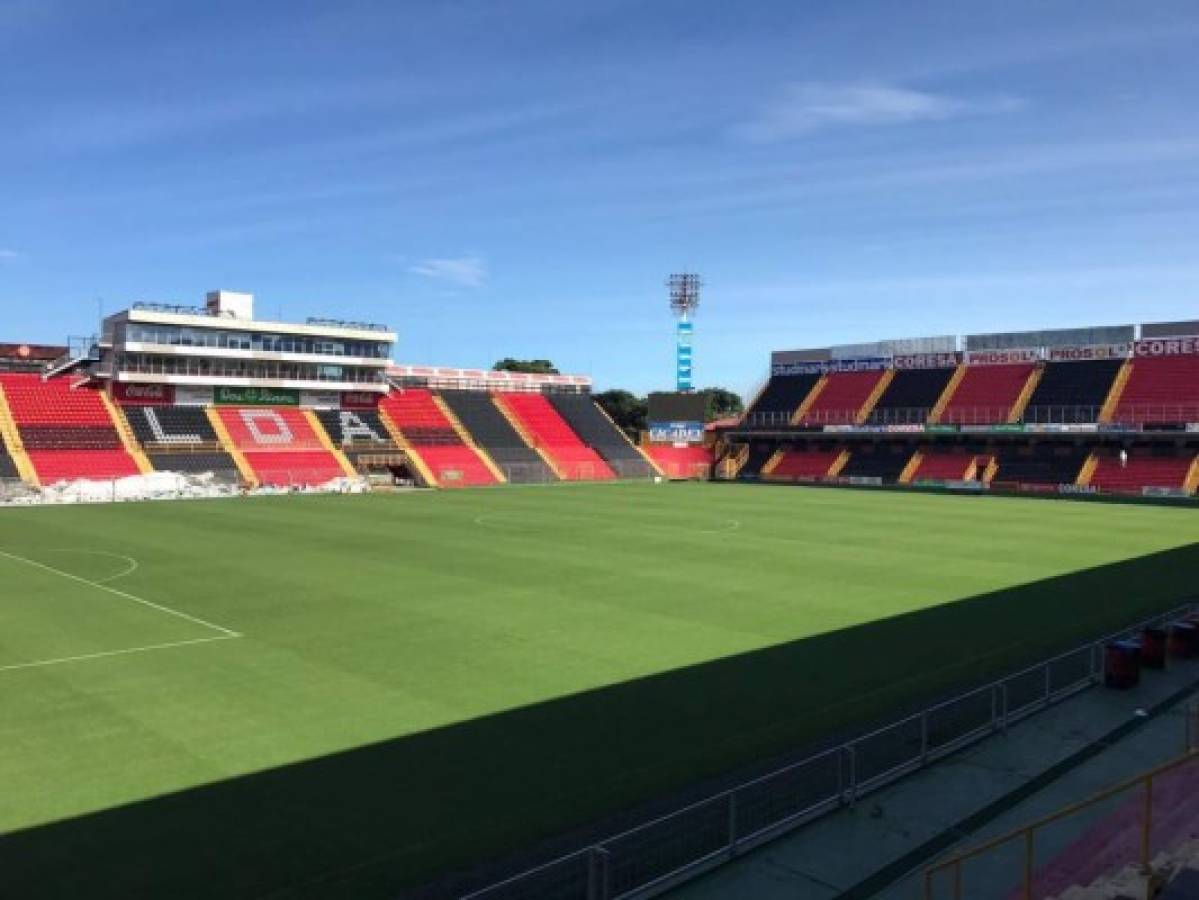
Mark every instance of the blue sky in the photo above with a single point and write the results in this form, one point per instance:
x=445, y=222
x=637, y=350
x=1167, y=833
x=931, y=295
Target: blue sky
x=518, y=178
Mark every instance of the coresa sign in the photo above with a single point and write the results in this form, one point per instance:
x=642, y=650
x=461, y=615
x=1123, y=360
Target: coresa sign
x=1172, y=346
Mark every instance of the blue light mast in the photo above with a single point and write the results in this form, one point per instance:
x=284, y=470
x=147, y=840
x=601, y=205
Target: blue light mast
x=684, y=300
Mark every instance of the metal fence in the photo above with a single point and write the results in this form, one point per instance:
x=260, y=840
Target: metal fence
x=666, y=851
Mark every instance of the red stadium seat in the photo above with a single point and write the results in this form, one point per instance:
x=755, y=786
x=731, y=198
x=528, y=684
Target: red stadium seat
x=550, y=432
x=67, y=432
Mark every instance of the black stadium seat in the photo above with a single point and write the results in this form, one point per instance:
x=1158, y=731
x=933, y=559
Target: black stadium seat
x=1072, y=392
x=911, y=395
x=494, y=433
x=601, y=434
x=782, y=395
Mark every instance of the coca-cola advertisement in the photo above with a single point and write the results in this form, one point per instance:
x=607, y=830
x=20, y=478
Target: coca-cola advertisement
x=130, y=394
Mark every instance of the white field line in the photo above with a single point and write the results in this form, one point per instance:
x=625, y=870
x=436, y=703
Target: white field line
x=68, y=659
x=227, y=632
x=129, y=570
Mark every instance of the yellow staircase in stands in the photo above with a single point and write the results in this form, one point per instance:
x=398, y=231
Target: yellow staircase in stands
x=838, y=464
x=1088, y=471
x=466, y=438
x=806, y=403
x=1191, y=484
x=653, y=464
x=128, y=439
x=733, y=463
x=239, y=459
x=909, y=471
x=875, y=396
x=520, y=429
x=991, y=470
x=1112, y=403
x=947, y=395
x=772, y=463
x=16, y=447
x=327, y=442
x=411, y=452
x=1021, y=404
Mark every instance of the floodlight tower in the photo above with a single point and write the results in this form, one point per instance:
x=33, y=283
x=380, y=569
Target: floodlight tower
x=684, y=300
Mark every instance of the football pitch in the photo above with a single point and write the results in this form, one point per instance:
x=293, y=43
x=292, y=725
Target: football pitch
x=344, y=695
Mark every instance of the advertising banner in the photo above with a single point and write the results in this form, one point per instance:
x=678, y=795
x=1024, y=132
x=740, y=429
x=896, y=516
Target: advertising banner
x=941, y=429
x=822, y=367
x=133, y=394
x=676, y=432
x=1177, y=346
x=1003, y=357
x=927, y=361
x=1091, y=351
x=359, y=400
x=257, y=396
x=320, y=399
x=193, y=395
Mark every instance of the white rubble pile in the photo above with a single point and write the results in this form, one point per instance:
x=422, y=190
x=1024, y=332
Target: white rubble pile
x=160, y=486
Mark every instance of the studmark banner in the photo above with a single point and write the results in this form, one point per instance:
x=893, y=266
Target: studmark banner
x=676, y=432
x=256, y=396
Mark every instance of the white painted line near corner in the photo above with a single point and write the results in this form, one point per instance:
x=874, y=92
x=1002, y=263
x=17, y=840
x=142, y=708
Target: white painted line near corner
x=37, y=663
x=227, y=632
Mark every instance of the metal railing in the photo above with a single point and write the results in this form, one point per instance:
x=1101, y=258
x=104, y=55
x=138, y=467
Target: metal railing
x=668, y=850
x=1136, y=800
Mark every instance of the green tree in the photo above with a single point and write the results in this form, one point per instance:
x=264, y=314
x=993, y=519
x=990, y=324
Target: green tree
x=532, y=366
x=627, y=410
x=721, y=403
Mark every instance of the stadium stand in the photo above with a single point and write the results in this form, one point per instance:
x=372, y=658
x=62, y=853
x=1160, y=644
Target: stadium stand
x=759, y=455
x=882, y=461
x=911, y=396
x=179, y=439
x=478, y=413
x=432, y=436
x=358, y=432
x=1161, y=390
x=601, y=434
x=1072, y=392
x=1040, y=465
x=280, y=445
x=8, y=468
x=67, y=433
x=782, y=396
x=842, y=397
x=1143, y=470
x=572, y=459
x=803, y=464
x=943, y=466
x=682, y=462
x=987, y=394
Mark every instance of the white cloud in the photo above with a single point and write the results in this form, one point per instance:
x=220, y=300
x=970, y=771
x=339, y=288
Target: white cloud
x=463, y=271
x=805, y=107
x=7, y=255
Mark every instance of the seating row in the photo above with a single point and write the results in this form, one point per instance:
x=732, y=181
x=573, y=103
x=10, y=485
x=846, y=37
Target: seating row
x=1151, y=391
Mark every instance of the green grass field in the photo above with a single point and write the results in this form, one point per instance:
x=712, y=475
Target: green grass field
x=338, y=696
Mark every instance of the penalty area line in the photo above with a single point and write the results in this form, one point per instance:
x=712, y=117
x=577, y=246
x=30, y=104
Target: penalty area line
x=103, y=653
x=226, y=632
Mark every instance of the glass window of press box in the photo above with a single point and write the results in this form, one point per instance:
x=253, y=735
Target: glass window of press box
x=245, y=368
x=182, y=336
